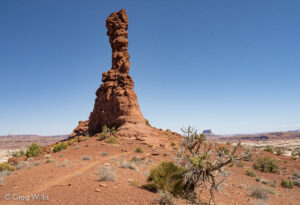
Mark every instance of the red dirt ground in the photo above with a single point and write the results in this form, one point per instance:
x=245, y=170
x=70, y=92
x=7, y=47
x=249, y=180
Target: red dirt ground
x=77, y=182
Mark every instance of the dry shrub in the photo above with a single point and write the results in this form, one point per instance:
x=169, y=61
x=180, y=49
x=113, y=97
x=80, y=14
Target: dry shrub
x=107, y=173
x=86, y=158
x=204, y=163
x=260, y=192
x=250, y=172
x=22, y=164
x=166, y=198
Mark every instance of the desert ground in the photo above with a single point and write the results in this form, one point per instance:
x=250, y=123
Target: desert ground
x=71, y=176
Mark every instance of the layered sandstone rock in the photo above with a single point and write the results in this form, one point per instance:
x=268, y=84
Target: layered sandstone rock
x=81, y=129
x=116, y=103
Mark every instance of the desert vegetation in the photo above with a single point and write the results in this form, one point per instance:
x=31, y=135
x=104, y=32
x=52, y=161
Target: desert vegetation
x=205, y=163
x=107, y=173
x=200, y=164
x=6, y=166
x=269, y=149
x=260, y=192
x=59, y=147
x=106, y=133
x=287, y=184
x=250, y=172
x=168, y=178
x=34, y=150
x=139, y=150
x=17, y=154
x=266, y=164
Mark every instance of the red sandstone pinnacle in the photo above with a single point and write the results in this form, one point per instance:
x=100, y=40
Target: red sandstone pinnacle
x=116, y=103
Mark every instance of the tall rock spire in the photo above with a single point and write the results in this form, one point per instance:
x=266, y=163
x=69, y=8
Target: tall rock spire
x=116, y=103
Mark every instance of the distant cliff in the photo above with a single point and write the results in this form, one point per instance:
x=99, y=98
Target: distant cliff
x=23, y=141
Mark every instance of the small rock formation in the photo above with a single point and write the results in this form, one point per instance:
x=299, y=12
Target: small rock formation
x=81, y=129
x=116, y=103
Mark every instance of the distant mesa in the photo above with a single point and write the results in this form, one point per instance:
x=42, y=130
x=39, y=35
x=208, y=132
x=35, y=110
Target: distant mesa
x=207, y=132
x=295, y=130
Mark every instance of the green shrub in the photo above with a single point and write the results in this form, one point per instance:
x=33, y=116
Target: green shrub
x=34, y=150
x=279, y=151
x=223, y=150
x=287, y=184
x=106, y=133
x=167, y=177
x=294, y=158
x=139, y=150
x=173, y=144
x=266, y=165
x=60, y=146
x=111, y=140
x=269, y=149
x=147, y=122
x=6, y=166
x=18, y=153
x=250, y=172
x=72, y=141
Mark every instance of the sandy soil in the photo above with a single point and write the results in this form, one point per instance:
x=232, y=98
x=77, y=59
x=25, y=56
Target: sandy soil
x=71, y=180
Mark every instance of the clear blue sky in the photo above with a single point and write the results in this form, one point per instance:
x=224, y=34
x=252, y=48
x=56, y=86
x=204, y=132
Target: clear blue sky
x=231, y=66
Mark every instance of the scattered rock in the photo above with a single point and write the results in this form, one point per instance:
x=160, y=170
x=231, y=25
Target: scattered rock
x=102, y=185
